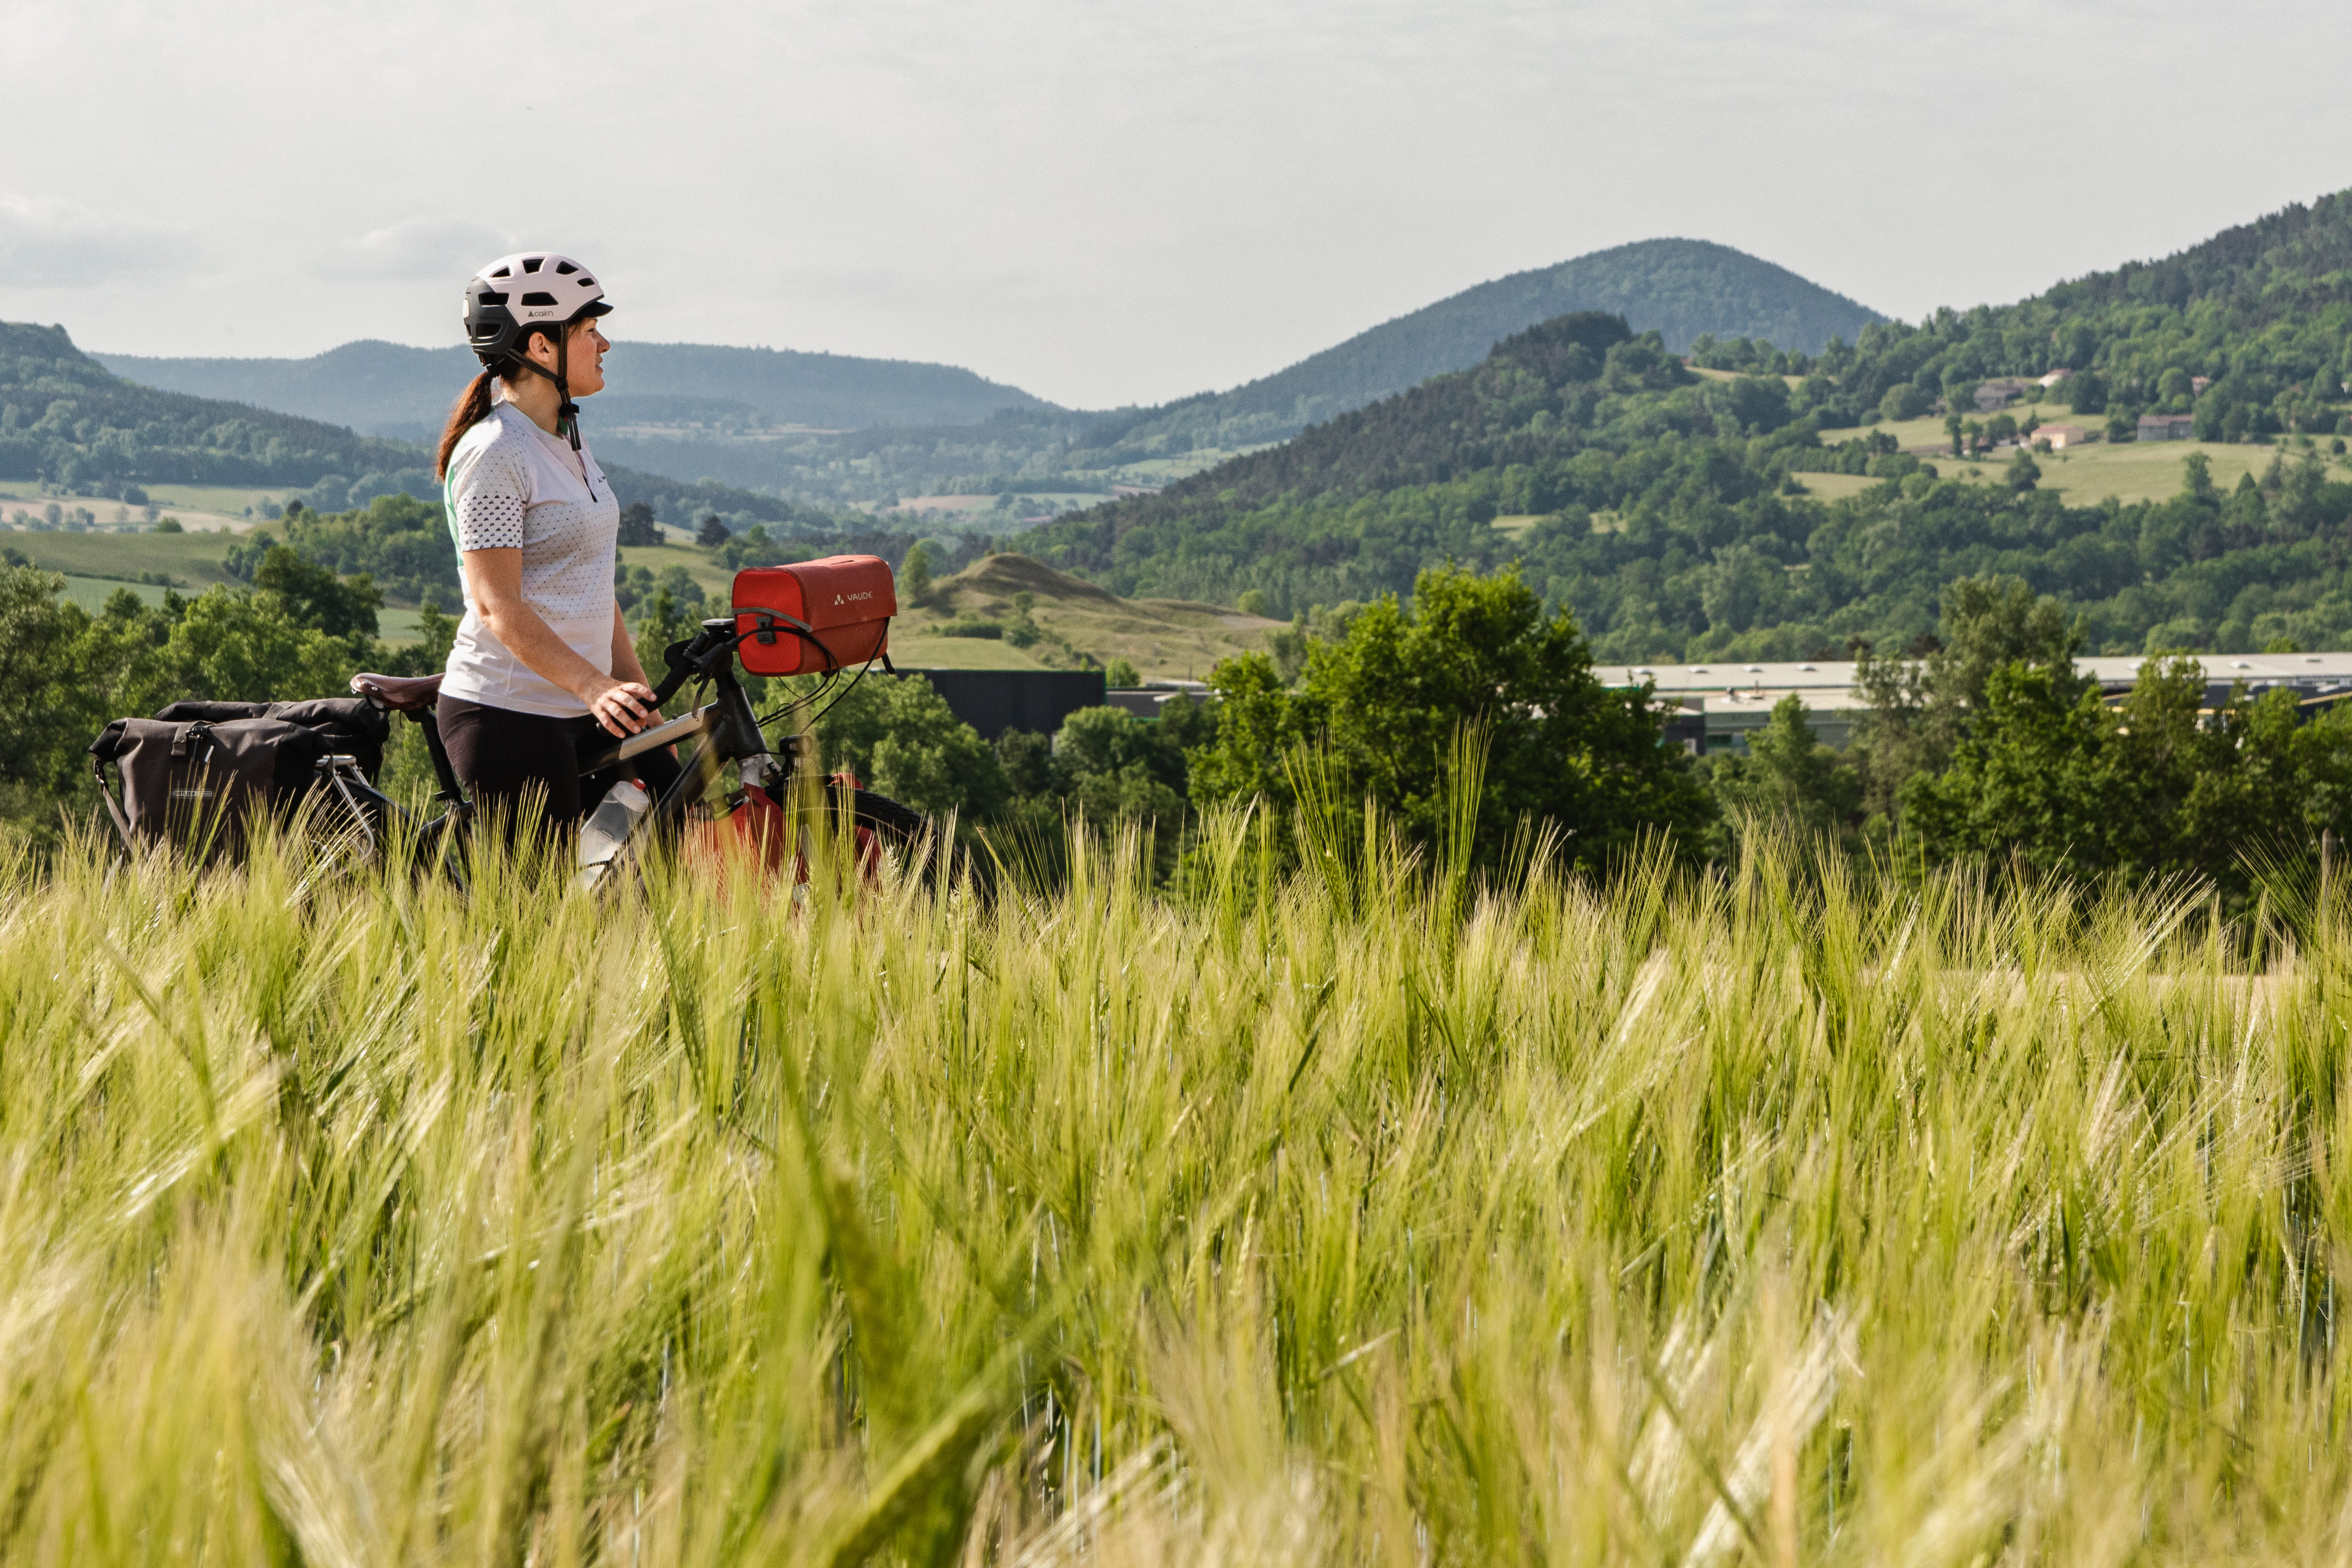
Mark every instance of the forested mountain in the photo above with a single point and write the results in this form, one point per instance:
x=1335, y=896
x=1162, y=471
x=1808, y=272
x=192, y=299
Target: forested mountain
x=2263, y=312
x=68, y=421
x=389, y=389
x=1680, y=288
x=1667, y=514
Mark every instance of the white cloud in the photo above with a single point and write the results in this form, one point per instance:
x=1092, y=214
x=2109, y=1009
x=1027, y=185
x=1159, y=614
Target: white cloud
x=50, y=243
x=417, y=250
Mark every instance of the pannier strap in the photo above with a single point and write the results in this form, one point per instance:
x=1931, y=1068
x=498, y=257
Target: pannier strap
x=767, y=621
x=184, y=733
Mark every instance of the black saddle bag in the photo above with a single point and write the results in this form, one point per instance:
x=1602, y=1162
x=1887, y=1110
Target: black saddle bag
x=197, y=773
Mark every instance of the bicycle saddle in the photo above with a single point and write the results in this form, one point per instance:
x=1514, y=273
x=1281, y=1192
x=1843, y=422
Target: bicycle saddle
x=403, y=694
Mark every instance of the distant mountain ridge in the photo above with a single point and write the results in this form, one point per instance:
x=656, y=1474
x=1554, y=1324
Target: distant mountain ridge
x=395, y=389
x=1680, y=288
x=66, y=420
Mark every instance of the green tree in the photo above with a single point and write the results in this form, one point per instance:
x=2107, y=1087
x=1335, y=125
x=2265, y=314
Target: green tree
x=1921, y=709
x=899, y=736
x=1905, y=400
x=1952, y=429
x=1287, y=645
x=1789, y=775
x=2023, y=474
x=1120, y=674
x=712, y=533
x=44, y=717
x=915, y=574
x=638, y=527
x=244, y=646
x=311, y=595
x=2148, y=788
x=1389, y=699
x=1260, y=722
x=664, y=623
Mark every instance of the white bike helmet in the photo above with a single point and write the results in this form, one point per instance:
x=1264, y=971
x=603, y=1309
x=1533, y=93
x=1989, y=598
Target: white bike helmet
x=530, y=291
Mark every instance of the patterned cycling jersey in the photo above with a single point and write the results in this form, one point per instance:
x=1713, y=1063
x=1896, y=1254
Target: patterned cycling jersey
x=511, y=485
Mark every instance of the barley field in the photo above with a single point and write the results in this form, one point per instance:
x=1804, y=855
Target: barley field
x=1381, y=1215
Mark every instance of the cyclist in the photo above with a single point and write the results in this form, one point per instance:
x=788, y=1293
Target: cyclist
x=542, y=665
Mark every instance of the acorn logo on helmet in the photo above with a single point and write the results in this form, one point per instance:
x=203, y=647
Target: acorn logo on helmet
x=531, y=291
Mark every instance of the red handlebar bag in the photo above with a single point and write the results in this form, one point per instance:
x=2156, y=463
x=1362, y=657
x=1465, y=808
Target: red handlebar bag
x=814, y=615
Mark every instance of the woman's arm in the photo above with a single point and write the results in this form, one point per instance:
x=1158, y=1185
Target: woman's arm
x=494, y=579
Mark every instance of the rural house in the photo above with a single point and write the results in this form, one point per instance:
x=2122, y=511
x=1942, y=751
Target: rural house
x=2166, y=427
x=1993, y=396
x=2061, y=436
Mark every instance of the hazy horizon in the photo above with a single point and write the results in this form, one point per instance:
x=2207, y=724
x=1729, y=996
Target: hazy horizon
x=1109, y=203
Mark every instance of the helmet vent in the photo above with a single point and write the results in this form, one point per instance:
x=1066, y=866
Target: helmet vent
x=502, y=272
x=538, y=296
x=530, y=263
x=488, y=298
x=565, y=269
x=586, y=281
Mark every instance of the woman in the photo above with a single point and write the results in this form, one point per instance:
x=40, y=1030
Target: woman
x=542, y=671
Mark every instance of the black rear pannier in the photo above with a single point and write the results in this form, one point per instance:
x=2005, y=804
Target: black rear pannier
x=197, y=772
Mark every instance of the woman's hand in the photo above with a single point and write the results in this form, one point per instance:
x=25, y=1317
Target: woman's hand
x=622, y=707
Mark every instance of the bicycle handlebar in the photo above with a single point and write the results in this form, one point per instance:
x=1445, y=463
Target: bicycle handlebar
x=696, y=658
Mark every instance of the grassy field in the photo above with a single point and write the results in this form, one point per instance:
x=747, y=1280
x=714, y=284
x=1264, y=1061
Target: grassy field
x=202, y=508
x=1367, y=1218
x=191, y=560
x=1836, y=486
x=1164, y=638
x=2129, y=471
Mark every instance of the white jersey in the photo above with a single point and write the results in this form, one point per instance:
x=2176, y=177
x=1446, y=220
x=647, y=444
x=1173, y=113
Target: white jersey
x=511, y=485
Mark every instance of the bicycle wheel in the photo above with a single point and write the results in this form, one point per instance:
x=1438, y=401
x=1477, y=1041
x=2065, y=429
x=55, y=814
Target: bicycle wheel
x=882, y=827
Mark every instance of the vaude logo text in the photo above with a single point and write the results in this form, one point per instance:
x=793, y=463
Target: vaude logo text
x=852, y=598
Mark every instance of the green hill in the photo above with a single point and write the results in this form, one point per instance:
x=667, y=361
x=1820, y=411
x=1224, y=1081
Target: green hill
x=1675, y=515
x=2261, y=312
x=1681, y=288
x=390, y=388
x=67, y=421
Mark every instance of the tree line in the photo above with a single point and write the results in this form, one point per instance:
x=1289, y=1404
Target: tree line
x=1471, y=712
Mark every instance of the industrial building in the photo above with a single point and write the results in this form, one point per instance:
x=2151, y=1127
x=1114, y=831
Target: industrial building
x=1718, y=705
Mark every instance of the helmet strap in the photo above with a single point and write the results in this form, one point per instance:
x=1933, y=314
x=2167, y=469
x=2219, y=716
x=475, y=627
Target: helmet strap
x=567, y=413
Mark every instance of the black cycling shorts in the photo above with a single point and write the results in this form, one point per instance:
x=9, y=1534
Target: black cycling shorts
x=501, y=756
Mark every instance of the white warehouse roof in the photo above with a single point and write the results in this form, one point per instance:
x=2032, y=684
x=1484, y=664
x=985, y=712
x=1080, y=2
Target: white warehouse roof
x=1827, y=675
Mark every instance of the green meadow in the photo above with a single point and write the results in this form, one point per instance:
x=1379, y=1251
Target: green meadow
x=1372, y=1213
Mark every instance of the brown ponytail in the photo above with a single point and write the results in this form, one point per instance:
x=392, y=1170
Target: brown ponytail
x=473, y=406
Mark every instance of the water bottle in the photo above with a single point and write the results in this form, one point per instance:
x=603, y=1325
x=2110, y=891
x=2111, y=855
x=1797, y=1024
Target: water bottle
x=606, y=834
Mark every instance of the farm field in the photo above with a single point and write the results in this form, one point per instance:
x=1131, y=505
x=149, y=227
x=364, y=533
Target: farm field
x=95, y=565
x=1365, y=1217
x=2129, y=471
x=200, y=508
x=1163, y=638
x=192, y=561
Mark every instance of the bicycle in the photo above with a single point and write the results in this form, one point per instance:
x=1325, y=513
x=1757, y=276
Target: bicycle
x=731, y=795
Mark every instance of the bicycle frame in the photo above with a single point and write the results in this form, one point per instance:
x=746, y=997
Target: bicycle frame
x=727, y=728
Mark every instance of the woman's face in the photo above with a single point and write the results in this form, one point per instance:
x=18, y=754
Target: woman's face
x=584, y=354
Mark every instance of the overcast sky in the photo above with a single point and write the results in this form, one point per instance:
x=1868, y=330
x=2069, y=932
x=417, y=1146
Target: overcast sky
x=1108, y=202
